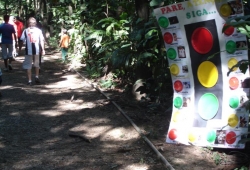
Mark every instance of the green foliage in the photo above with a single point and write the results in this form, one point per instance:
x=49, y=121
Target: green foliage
x=242, y=168
x=103, y=35
x=93, y=69
x=53, y=42
x=126, y=44
x=217, y=158
x=107, y=83
x=241, y=23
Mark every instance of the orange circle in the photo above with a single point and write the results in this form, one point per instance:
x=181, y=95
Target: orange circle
x=234, y=83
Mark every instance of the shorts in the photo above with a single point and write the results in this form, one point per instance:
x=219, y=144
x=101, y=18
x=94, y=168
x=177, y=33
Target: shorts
x=27, y=63
x=7, y=50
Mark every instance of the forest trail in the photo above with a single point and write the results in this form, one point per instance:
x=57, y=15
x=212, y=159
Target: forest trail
x=37, y=123
x=64, y=123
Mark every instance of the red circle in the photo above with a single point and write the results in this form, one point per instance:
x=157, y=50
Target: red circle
x=178, y=86
x=168, y=38
x=231, y=137
x=172, y=134
x=202, y=40
x=229, y=31
x=234, y=83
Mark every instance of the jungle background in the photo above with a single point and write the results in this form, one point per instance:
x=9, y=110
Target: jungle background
x=118, y=42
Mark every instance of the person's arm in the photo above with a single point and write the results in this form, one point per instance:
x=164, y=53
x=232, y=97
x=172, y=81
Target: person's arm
x=42, y=41
x=16, y=32
x=14, y=35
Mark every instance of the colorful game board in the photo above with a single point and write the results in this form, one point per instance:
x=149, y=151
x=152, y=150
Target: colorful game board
x=208, y=105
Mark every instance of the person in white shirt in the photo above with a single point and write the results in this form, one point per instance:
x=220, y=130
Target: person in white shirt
x=34, y=45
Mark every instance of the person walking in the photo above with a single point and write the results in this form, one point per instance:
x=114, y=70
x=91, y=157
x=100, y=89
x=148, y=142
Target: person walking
x=64, y=44
x=20, y=28
x=8, y=35
x=34, y=44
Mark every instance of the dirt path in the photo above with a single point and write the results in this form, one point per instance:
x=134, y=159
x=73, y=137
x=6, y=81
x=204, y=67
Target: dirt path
x=35, y=123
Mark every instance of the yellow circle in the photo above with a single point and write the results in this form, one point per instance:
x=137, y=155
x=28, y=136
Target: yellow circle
x=225, y=10
x=174, y=69
x=176, y=116
x=191, y=137
x=231, y=63
x=233, y=120
x=207, y=74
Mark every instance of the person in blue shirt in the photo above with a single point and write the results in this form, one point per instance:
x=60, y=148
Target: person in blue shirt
x=8, y=35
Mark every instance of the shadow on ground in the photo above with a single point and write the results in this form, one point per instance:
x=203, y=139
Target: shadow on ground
x=35, y=122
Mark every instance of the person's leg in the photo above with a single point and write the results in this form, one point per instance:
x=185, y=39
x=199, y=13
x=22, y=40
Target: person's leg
x=63, y=54
x=27, y=64
x=10, y=55
x=5, y=64
x=40, y=59
x=37, y=72
x=37, y=67
x=20, y=45
x=4, y=55
x=29, y=75
x=66, y=53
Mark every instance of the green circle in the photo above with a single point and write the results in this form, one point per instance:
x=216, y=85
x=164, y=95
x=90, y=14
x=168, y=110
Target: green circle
x=163, y=22
x=234, y=102
x=231, y=47
x=178, y=102
x=211, y=136
x=171, y=53
x=208, y=106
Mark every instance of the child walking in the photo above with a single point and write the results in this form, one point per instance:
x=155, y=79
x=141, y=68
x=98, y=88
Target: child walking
x=64, y=44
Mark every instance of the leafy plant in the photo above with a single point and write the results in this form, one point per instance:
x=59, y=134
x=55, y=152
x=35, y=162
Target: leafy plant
x=217, y=158
x=107, y=83
x=242, y=168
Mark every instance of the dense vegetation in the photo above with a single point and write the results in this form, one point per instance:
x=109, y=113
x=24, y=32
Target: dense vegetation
x=116, y=37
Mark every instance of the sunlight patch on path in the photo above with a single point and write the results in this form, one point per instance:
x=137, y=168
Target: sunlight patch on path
x=120, y=134
x=106, y=132
x=137, y=167
x=69, y=81
x=50, y=113
x=90, y=131
x=76, y=106
x=66, y=105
